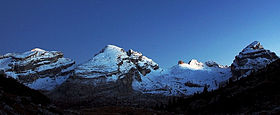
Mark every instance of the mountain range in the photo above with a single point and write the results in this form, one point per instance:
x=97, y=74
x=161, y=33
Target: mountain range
x=116, y=77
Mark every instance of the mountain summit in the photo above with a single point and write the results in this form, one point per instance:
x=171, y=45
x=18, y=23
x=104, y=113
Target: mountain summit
x=251, y=58
x=113, y=62
x=193, y=64
x=38, y=69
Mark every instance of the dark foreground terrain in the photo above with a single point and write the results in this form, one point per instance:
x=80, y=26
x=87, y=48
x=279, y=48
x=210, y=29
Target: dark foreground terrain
x=257, y=93
x=16, y=98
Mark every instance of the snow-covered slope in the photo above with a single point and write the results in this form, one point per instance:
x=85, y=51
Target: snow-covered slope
x=251, y=58
x=37, y=69
x=114, y=66
x=184, y=79
x=113, y=63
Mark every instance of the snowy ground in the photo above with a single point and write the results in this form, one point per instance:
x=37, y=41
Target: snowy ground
x=172, y=81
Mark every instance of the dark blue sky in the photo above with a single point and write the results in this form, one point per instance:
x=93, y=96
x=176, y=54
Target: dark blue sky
x=163, y=30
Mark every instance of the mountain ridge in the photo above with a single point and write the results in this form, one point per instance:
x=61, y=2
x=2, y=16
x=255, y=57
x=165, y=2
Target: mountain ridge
x=114, y=76
x=38, y=69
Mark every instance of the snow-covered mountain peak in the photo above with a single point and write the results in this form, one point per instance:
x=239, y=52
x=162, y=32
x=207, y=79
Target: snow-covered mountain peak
x=113, y=60
x=256, y=45
x=104, y=63
x=193, y=64
x=38, y=69
x=111, y=71
x=111, y=49
x=114, y=48
x=38, y=49
x=251, y=58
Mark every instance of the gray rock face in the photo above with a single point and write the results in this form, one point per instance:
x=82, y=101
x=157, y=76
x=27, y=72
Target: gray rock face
x=142, y=63
x=38, y=69
x=107, y=79
x=252, y=58
x=213, y=64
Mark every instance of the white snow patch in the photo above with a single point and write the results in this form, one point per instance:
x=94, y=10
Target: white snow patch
x=60, y=62
x=47, y=83
x=38, y=49
x=103, y=62
x=193, y=64
x=12, y=74
x=172, y=81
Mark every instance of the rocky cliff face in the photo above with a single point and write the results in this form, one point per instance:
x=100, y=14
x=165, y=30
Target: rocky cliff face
x=37, y=69
x=107, y=78
x=251, y=58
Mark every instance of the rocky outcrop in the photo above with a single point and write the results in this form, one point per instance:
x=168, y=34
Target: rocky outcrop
x=107, y=78
x=143, y=64
x=38, y=69
x=180, y=62
x=214, y=64
x=251, y=58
